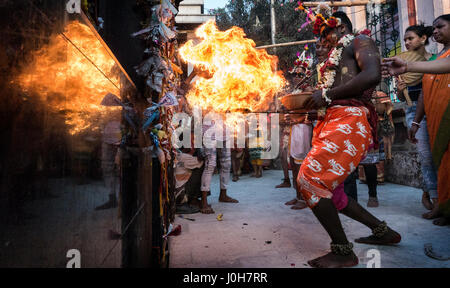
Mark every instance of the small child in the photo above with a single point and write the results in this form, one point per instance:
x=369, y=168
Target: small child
x=255, y=154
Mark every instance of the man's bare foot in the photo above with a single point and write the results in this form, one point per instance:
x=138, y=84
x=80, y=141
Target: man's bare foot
x=433, y=214
x=426, y=201
x=332, y=260
x=227, y=199
x=285, y=184
x=391, y=237
x=235, y=178
x=442, y=221
x=299, y=205
x=291, y=202
x=207, y=210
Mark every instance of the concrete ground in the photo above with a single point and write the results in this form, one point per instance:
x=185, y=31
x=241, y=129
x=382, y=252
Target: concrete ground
x=260, y=231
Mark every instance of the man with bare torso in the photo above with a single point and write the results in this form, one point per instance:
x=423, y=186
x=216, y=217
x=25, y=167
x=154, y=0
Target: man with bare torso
x=340, y=141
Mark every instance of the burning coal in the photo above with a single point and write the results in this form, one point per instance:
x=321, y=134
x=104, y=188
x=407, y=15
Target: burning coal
x=68, y=81
x=242, y=77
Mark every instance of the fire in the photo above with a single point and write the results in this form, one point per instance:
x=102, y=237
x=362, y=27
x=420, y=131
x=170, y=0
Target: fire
x=67, y=81
x=243, y=78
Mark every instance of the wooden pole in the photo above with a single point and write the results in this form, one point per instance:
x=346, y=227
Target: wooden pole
x=287, y=44
x=343, y=3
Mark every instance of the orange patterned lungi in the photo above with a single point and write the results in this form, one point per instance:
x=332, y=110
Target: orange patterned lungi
x=340, y=141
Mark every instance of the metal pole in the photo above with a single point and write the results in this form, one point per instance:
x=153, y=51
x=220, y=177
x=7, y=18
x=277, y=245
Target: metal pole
x=272, y=20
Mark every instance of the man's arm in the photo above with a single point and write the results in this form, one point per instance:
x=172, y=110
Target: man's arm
x=420, y=113
x=368, y=59
x=396, y=66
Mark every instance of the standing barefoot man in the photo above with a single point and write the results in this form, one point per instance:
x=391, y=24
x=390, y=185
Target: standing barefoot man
x=342, y=139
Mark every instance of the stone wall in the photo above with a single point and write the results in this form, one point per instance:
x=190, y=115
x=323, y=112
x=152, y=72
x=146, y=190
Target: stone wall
x=404, y=168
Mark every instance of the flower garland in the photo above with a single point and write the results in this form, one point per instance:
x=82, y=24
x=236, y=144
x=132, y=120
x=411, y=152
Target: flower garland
x=328, y=68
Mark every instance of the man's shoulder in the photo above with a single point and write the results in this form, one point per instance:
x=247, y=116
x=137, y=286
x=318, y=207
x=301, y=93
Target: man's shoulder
x=363, y=43
x=362, y=38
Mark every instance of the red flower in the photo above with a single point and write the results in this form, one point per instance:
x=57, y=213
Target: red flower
x=322, y=69
x=316, y=28
x=332, y=22
x=329, y=53
x=318, y=23
x=366, y=32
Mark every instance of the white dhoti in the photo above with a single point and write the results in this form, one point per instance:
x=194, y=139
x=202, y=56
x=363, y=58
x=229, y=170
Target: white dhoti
x=300, y=143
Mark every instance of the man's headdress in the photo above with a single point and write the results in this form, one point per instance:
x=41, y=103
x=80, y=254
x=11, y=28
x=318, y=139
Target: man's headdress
x=321, y=17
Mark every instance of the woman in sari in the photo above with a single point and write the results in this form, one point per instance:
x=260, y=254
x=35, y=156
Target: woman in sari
x=434, y=102
x=416, y=38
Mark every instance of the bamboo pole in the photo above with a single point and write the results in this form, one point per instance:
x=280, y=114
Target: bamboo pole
x=287, y=44
x=343, y=3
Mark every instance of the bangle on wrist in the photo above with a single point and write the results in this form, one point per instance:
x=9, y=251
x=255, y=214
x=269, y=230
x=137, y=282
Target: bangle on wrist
x=415, y=123
x=325, y=97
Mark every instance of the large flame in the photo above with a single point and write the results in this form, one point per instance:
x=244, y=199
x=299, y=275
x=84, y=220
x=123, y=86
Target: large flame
x=243, y=78
x=67, y=81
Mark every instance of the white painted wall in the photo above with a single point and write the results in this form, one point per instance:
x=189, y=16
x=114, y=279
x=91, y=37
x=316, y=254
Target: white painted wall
x=426, y=12
x=194, y=19
x=189, y=10
x=192, y=2
x=357, y=15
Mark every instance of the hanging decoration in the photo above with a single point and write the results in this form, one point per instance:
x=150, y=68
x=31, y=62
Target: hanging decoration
x=161, y=72
x=320, y=17
x=303, y=68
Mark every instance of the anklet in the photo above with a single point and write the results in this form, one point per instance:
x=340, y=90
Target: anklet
x=380, y=230
x=342, y=249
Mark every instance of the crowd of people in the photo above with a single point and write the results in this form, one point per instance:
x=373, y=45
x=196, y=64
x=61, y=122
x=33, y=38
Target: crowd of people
x=429, y=126
x=324, y=148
